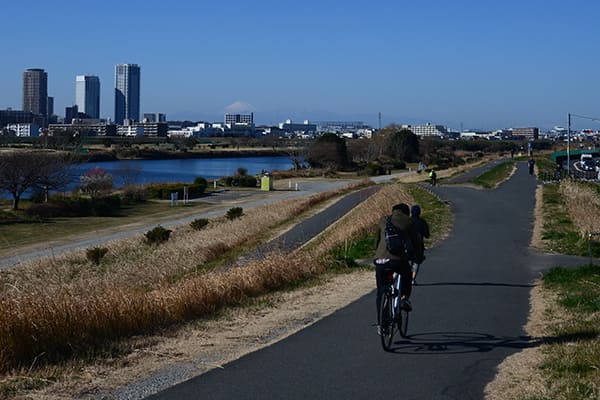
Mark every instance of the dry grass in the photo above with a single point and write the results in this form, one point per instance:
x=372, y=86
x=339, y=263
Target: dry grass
x=53, y=309
x=583, y=205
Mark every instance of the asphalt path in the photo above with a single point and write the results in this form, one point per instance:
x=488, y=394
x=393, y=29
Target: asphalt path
x=470, y=307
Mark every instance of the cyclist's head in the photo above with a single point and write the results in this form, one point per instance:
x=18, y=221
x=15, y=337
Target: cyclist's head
x=402, y=207
x=415, y=210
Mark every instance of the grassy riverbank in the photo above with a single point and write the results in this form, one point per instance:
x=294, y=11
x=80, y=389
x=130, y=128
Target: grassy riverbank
x=569, y=361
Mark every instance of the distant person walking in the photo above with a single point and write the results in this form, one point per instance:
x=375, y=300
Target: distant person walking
x=423, y=229
x=531, y=164
x=433, y=177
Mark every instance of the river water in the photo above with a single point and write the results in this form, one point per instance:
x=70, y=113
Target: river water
x=183, y=170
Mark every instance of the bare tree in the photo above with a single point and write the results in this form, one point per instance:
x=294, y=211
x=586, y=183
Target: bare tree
x=24, y=170
x=96, y=182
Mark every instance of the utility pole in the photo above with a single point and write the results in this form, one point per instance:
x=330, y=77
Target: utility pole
x=569, y=146
x=379, y=120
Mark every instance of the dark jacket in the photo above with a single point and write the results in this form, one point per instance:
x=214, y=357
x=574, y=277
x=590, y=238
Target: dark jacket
x=405, y=224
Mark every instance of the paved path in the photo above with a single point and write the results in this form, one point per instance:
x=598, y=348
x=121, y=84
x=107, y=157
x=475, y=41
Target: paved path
x=470, y=308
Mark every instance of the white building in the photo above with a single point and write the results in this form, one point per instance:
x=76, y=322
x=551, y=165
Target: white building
x=130, y=130
x=427, y=130
x=24, y=130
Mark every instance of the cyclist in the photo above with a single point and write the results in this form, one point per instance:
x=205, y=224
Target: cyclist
x=423, y=228
x=385, y=261
x=433, y=177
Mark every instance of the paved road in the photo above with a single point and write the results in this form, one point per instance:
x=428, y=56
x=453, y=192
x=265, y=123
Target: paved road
x=470, y=309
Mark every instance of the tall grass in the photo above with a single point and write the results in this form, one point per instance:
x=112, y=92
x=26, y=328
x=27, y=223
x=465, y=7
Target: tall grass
x=583, y=205
x=54, y=309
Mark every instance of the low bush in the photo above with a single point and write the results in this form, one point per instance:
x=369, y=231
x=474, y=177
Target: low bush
x=134, y=195
x=199, y=223
x=76, y=207
x=240, y=180
x=95, y=254
x=163, y=190
x=158, y=235
x=234, y=212
x=374, y=169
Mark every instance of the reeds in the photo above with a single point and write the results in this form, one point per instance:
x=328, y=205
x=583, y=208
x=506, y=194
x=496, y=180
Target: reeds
x=54, y=309
x=583, y=206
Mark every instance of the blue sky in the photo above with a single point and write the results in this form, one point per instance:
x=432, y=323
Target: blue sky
x=476, y=64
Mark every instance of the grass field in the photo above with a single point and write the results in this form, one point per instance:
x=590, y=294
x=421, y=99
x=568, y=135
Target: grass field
x=493, y=177
x=59, y=230
x=572, y=351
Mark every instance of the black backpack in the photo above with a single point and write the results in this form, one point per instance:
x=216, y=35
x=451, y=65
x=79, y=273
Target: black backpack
x=396, y=241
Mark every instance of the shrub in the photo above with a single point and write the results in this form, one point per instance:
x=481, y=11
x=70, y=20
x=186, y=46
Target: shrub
x=201, y=182
x=240, y=180
x=374, y=169
x=106, y=206
x=247, y=181
x=199, y=223
x=134, y=194
x=163, y=190
x=234, y=212
x=37, y=196
x=95, y=254
x=157, y=235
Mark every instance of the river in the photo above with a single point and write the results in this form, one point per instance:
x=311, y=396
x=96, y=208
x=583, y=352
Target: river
x=184, y=170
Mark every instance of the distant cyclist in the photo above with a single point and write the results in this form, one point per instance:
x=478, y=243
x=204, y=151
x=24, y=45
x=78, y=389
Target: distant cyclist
x=433, y=177
x=423, y=228
x=385, y=261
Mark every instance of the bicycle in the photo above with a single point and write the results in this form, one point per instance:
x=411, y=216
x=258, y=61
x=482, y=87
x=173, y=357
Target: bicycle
x=391, y=314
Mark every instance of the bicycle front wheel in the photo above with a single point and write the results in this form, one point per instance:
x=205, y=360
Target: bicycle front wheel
x=386, y=321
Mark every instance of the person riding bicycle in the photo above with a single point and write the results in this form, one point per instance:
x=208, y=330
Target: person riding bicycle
x=423, y=228
x=386, y=261
x=433, y=177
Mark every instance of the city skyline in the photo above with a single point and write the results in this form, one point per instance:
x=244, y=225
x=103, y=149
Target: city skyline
x=463, y=64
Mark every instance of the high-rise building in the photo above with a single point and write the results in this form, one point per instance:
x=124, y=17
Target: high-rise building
x=87, y=95
x=127, y=92
x=35, y=91
x=50, y=106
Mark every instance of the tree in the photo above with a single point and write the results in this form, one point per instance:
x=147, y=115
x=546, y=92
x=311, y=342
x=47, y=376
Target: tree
x=399, y=143
x=26, y=170
x=328, y=151
x=96, y=181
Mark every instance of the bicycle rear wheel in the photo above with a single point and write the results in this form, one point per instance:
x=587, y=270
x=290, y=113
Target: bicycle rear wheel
x=386, y=321
x=403, y=323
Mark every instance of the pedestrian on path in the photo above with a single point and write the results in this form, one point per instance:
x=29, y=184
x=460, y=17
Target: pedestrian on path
x=531, y=164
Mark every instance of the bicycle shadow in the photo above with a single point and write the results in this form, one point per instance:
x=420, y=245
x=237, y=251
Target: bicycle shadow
x=428, y=343
x=497, y=284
